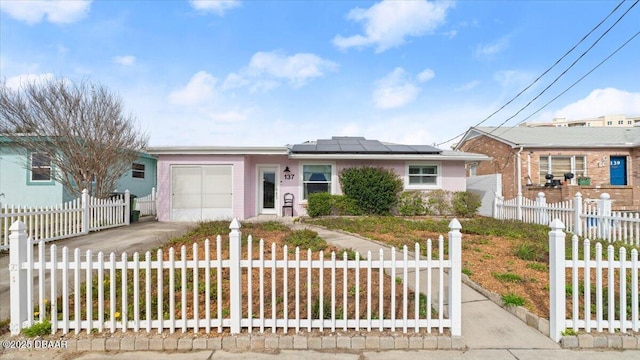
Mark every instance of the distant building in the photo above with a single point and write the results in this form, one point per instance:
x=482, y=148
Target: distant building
x=602, y=121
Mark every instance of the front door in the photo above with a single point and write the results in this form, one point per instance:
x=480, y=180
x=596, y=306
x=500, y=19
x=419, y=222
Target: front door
x=618, y=170
x=267, y=190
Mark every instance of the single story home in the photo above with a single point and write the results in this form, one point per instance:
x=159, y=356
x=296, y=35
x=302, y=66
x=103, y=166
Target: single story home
x=26, y=180
x=206, y=183
x=533, y=160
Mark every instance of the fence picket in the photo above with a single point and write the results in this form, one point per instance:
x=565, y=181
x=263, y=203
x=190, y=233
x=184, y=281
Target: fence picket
x=85, y=308
x=76, y=217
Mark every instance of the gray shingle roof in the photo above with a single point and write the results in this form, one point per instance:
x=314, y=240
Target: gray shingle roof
x=565, y=136
x=359, y=145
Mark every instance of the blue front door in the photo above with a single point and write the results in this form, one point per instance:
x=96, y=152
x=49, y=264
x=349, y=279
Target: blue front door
x=618, y=170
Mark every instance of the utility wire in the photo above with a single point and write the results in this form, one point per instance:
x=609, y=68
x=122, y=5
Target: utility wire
x=567, y=69
x=576, y=82
x=544, y=73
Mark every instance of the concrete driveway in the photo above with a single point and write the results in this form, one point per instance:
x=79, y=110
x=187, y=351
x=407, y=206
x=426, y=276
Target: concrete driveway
x=140, y=236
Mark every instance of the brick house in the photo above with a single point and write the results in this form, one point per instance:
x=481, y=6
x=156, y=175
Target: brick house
x=600, y=160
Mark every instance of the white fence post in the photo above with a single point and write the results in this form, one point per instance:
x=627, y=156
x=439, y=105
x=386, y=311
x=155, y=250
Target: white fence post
x=18, y=243
x=498, y=207
x=127, y=207
x=557, y=286
x=235, y=276
x=604, y=209
x=455, y=277
x=577, y=212
x=541, y=209
x=85, y=211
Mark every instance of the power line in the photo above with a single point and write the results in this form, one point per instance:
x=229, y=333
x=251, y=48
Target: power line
x=567, y=69
x=545, y=72
x=576, y=82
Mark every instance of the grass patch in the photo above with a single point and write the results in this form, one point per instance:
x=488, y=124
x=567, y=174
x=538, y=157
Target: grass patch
x=38, y=329
x=537, y=266
x=512, y=299
x=305, y=239
x=508, y=277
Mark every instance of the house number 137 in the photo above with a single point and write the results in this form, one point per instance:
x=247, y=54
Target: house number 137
x=289, y=176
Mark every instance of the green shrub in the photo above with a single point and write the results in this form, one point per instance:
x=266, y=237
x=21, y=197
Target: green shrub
x=319, y=204
x=412, y=203
x=465, y=203
x=375, y=190
x=344, y=205
x=439, y=202
x=324, y=204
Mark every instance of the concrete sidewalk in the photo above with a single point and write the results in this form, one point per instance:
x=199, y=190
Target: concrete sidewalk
x=485, y=325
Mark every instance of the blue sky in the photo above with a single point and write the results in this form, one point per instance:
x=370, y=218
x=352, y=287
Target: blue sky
x=281, y=72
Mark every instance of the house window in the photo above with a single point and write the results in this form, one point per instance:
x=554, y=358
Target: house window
x=560, y=165
x=137, y=171
x=620, y=122
x=316, y=178
x=40, y=167
x=473, y=169
x=609, y=122
x=422, y=176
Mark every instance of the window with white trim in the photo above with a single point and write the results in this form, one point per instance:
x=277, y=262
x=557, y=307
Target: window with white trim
x=560, y=165
x=316, y=178
x=137, y=171
x=40, y=167
x=422, y=176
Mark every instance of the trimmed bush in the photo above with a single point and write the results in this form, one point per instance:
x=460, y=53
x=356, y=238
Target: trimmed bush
x=319, y=204
x=324, y=204
x=439, y=202
x=374, y=189
x=465, y=203
x=344, y=205
x=412, y=203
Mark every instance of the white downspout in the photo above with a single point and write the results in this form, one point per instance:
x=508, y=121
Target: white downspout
x=519, y=182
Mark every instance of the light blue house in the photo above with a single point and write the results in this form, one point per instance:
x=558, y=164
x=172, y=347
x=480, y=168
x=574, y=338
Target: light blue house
x=27, y=181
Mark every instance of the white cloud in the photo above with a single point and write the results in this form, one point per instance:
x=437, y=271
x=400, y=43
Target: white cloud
x=468, y=86
x=599, y=102
x=55, y=11
x=426, y=75
x=17, y=82
x=387, y=23
x=217, y=6
x=200, y=89
x=484, y=51
x=126, y=60
x=267, y=70
x=394, y=90
x=231, y=116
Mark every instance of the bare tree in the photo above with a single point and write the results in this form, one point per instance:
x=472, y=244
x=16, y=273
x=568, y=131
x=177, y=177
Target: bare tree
x=80, y=127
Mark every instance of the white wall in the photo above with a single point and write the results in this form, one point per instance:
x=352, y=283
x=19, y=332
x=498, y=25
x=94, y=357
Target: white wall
x=488, y=187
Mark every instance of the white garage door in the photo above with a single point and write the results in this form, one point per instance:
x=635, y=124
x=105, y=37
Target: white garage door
x=201, y=193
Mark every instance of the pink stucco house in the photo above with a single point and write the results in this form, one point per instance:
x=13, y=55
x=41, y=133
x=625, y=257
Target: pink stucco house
x=207, y=183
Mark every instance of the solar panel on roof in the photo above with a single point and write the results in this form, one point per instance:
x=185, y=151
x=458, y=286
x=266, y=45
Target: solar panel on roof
x=358, y=145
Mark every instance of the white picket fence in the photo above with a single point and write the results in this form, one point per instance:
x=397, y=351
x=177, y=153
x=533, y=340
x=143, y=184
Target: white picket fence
x=590, y=218
x=604, y=292
x=188, y=292
x=76, y=217
x=147, y=204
